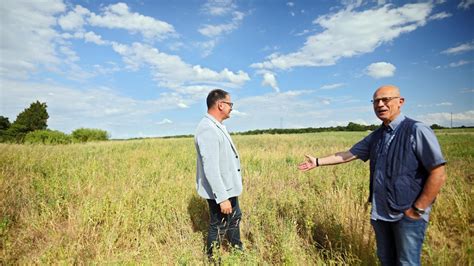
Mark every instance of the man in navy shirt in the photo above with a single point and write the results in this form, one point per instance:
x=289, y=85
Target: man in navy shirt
x=407, y=171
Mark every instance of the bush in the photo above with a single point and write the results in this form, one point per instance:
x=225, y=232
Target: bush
x=47, y=137
x=89, y=134
x=14, y=134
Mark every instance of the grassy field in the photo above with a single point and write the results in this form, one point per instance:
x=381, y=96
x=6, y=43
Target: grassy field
x=135, y=202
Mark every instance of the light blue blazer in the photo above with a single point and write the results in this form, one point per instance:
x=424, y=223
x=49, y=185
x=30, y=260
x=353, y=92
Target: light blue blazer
x=218, y=173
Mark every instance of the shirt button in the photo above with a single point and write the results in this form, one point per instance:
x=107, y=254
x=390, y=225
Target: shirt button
x=236, y=156
x=238, y=170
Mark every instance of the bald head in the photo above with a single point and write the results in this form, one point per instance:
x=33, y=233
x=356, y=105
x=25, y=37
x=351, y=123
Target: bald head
x=387, y=91
x=387, y=103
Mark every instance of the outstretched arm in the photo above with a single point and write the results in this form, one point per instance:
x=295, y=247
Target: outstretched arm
x=337, y=158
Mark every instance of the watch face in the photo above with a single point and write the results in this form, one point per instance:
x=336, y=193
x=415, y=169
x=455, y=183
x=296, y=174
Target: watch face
x=419, y=211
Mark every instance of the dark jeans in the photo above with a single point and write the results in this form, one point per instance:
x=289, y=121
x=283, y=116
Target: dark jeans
x=400, y=243
x=223, y=225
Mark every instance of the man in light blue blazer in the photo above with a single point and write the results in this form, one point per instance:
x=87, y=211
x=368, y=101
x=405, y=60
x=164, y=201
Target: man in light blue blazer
x=218, y=175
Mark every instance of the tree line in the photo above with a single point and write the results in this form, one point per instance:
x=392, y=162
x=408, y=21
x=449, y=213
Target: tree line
x=30, y=126
x=351, y=126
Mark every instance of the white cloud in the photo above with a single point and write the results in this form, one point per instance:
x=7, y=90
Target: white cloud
x=74, y=20
x=304, y=32
x=352, y=3
x=296, y=109
x=236, y=112
x=380, y=70
x=444, y=104
x=332, y=86
x=467, y=91
x=459, y=63
x=28, y=36
x=108, y=68
x=70, y=54
x=207, y=47
x=94, y=38
x=118, y=16
x=86, y=36
x=462, y=48
x=269, y=79
x=173, y=73
x=435, y=105
x=95, y=107
x=459, y=119
x=218, y=7
x=290, y=4
x=349, y=33
x=217, y=30
x=182, y=105
x=466, y=4
x=441, y=15
x=164, y=122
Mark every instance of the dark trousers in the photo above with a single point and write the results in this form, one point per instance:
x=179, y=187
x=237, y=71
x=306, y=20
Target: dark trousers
x=223, y=225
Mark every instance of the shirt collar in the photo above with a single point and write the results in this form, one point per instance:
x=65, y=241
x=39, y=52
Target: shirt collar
x=213, y=119
x=395, y=123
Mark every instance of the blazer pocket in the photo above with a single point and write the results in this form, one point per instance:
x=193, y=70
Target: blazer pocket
x=227, y=180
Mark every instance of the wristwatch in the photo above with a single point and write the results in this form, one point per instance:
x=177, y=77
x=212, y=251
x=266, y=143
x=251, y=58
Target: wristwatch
x=418, y=210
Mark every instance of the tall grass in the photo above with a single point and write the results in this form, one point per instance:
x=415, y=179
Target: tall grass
x=135, y=201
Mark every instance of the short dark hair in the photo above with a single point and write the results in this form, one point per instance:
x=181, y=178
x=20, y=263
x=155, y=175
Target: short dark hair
x=214, y=96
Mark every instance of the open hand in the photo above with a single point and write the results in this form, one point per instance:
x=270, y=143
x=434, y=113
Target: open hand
x=307, y=165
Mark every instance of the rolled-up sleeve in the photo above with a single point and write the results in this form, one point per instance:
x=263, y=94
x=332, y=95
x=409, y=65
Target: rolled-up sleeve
x=362, y=148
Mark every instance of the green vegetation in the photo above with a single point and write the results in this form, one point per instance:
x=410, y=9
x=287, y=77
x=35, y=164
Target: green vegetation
x=351, y=126
x=32, y=118
x=87, y=134
x=47, y=137
x=30, y=127
x=134, y=202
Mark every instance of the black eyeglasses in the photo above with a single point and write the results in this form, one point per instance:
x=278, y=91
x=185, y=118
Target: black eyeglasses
x=385, y=100
x=229, y=103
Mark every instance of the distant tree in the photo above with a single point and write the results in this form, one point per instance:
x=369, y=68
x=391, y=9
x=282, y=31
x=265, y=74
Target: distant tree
x=4, y=123
x=31, y=119
x=373, y=127
x=34, y=117
x=89, y=134
x=436, y=126
x=355, y=127
x=15, y=133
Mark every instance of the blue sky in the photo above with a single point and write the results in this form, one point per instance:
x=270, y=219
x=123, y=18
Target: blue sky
x=144, y=68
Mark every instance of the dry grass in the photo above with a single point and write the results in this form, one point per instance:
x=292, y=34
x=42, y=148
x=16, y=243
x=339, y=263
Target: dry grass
x=135, y=202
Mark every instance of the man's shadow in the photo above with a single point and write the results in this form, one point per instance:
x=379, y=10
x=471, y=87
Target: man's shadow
x=199, y=214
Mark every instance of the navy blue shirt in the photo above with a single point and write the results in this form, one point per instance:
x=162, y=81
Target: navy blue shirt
x=427, y=149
